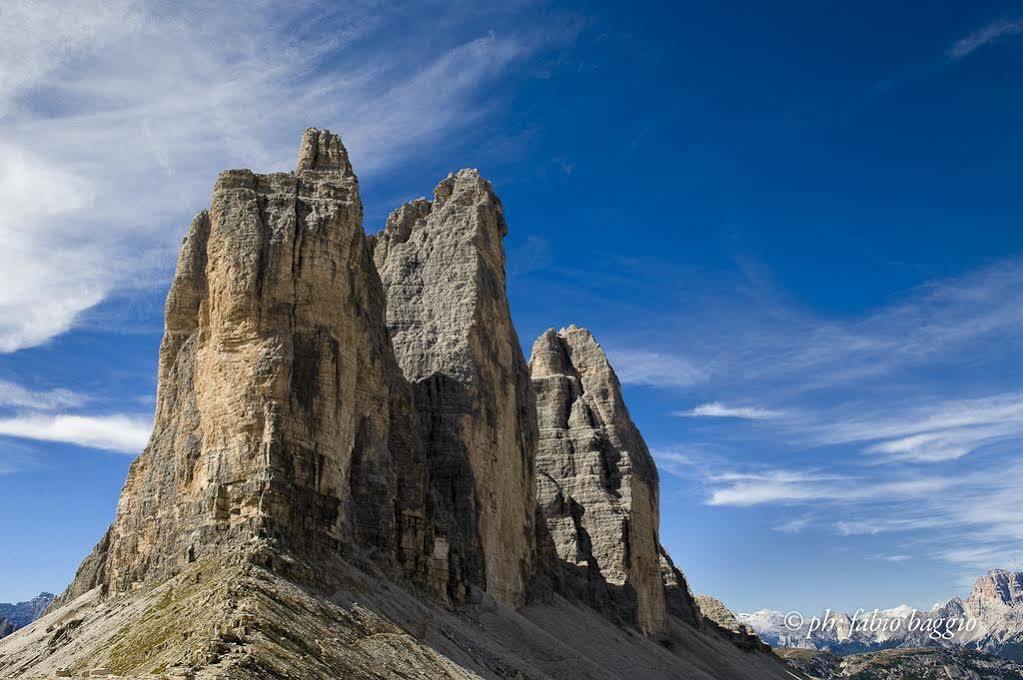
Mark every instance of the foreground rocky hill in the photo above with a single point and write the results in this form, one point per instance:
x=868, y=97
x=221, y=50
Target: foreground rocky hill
x=355, y=473
x=20, y=614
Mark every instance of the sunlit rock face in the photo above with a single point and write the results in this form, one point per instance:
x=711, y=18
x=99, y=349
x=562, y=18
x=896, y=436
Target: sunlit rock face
x=282, y=415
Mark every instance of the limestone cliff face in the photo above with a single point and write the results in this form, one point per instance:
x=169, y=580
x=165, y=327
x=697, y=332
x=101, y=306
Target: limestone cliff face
x=597, y=486
x=442, y=265
x=281, y=413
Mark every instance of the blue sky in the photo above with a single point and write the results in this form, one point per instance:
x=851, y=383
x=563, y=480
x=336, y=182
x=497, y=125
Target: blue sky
x=795, y=229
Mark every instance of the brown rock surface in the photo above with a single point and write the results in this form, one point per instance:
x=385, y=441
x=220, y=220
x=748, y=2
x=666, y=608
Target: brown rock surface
x=281, y=412
x=715, y=610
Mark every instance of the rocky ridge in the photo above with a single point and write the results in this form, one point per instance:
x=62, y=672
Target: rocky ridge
x=342, y=476
x=19, y=614
x=717, y=611
x=597, y=485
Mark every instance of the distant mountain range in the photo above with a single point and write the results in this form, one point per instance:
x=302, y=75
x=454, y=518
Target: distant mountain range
x=14, y=616
x=989, y=620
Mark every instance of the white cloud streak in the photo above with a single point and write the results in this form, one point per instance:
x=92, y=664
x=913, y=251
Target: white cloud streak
x=937, y=432
x=716, y=409
x=986, y=35
x=675, y=462
x=793, y=526
x=794, y=486
x=119, y=433
x=13, y=395
x=655, y=369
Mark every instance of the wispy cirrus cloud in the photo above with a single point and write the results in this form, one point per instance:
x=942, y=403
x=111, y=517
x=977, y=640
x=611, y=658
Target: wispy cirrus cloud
x=13, y=395
x=932, y=324
x=799, y=486
x=874, y=525
x=971, y=519
x=921, y=433
x=793, y=526
x=49, y=415
x=984, y=36
x=766, y=342
x=118, y=114
x=677, y=461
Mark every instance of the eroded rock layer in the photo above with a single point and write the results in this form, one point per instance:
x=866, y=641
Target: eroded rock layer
x=442, y=265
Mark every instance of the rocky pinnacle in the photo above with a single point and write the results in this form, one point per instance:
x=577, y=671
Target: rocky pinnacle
x=282, y=416
x=597, y=485
x=442, y=265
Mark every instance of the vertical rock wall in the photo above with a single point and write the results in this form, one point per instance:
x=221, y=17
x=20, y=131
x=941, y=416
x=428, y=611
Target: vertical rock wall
x=597, y=485
x=442, y=265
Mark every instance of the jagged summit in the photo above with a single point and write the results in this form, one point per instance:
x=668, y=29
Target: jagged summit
x=19, y=614
x=999, y=585
x=322, y=150
x=342, y=479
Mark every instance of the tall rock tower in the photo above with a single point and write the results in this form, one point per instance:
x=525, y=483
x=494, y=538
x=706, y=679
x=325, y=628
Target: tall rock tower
x=597, y=486
x=442, y=265
x=281, y=413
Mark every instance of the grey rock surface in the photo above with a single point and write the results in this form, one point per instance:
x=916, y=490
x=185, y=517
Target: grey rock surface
x=715, y=610
x=443, y=267
x=597, y=485
x=281, y=411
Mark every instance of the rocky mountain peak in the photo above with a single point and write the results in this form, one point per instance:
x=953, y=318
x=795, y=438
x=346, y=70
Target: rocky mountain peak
x=442, y=265
x=277, y=385
x=16, y=615
x=322, y=150
x=999, y=586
